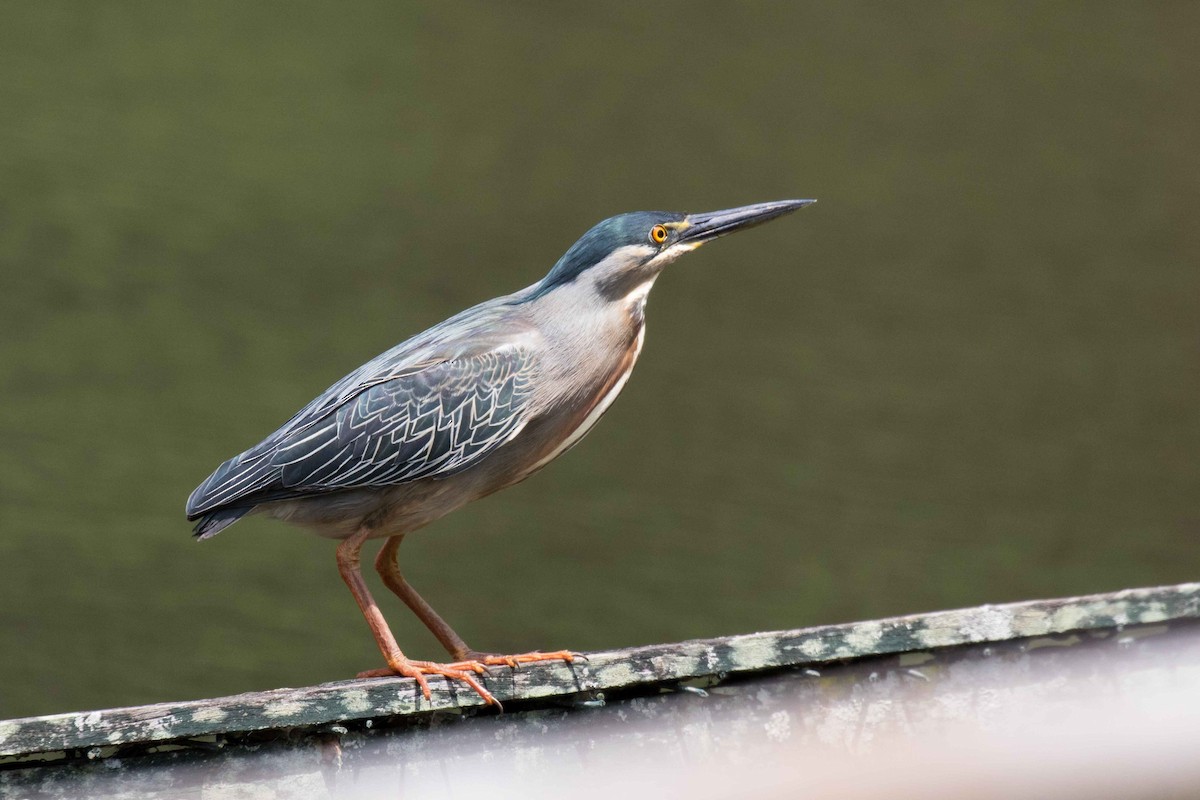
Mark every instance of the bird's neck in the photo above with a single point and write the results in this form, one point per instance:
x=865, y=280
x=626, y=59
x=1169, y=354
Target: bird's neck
x=587, y=330
x=590, y=312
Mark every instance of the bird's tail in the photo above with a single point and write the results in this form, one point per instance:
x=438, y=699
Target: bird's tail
x=214, y=522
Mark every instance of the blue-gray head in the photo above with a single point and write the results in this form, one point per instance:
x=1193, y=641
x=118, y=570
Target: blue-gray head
x=622, y=254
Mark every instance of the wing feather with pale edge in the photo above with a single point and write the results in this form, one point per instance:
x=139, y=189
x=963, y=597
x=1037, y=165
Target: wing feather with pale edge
x=432, y=420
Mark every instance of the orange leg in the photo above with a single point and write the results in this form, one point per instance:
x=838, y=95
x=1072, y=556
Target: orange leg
x=389, y=570
x=349, y=565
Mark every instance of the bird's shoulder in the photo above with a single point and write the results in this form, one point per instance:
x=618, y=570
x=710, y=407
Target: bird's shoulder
x=428, y=406
x=491, y=329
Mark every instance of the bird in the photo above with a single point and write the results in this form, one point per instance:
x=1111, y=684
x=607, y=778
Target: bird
x=470, y=406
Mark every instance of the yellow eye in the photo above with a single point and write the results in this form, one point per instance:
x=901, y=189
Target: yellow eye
x=658, y=234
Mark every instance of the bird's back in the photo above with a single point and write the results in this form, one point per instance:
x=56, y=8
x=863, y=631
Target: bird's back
x=428, y=406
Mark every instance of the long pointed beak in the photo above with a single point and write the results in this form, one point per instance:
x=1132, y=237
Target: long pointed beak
x=705, y=227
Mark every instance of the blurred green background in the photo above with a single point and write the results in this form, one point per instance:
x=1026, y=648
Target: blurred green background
x=969, y=375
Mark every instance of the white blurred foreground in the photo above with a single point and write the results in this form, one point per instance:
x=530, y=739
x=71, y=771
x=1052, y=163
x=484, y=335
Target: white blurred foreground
x=1114, y=717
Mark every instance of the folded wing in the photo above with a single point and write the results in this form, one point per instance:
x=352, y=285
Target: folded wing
x=428, y=420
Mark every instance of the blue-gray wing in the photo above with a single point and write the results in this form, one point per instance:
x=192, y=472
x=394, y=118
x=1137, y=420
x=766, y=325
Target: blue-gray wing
x=430, y=421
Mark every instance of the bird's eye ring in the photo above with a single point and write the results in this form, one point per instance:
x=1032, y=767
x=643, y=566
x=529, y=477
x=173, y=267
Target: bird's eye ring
x=658, y=234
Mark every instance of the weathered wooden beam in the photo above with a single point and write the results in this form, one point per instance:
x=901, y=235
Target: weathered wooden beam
x=619, y=669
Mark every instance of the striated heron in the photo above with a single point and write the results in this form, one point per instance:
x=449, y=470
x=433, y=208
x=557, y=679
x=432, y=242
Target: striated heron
x=468, y=407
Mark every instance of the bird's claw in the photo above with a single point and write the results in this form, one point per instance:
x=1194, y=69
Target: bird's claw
x=466, y=670
x=515, y=661
x=418, y=670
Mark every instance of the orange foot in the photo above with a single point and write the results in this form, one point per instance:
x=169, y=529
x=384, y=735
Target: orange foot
x=493, y=660
x=461, y=671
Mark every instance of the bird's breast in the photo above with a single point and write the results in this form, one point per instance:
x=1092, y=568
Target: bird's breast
x=579, y=417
